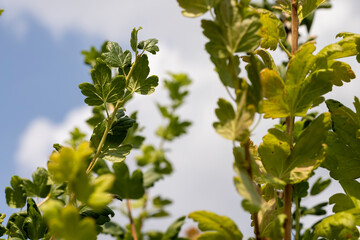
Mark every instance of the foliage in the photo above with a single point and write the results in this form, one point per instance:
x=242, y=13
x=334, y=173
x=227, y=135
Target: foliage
x=75, y=191
x=74, y=194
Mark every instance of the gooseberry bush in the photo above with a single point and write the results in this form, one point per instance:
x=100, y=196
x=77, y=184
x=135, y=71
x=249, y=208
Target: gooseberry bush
x=84, y=179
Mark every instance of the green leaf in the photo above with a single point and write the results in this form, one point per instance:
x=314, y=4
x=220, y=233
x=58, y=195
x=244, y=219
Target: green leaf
x=317, y=210
x=39, y=187
x=174, y=129
x=132, y=136
x=139, y=81
x=117, y=133
x=150, y=177
x=16, y=194
x=274, y=152
x=244, y=184
x=174, y=229
x=117, y=154
x=91, y=56
x=113, y=229
x=177, y=88
x=342, y=71
x=115, y=57
x=34, y=225
x=308, y=153
x=348, y=46
x=149, y=45
x=196, y=8
x=342, y=202
x=66, y=164
x=97, y=117
x=254, y=91
x=15, y=225
x=340, y=226
x=308, y=77
x=148, y=155
x=126, y=186
x=275, y=106
x=76, y=137
x=301, y=189
x=342, y=158
x=234, y=30
x=101, y=217
x=271, y=220
x=161, y=202
x=306, y=7
x=267, y=58
x=272, y=30
x=105, y=89
x=231, y=125
x=309, y=150
x=134, y=39
x=65, y=223
x=215, y=226
x=319, y=186
x=3, y=229
x=100, y=197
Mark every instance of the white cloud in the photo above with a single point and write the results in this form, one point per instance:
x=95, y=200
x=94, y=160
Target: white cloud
x=35, y=144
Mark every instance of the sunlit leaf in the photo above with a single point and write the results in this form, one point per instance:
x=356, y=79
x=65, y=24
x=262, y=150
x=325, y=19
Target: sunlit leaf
x=104, y=89
x=134, y=38
x=117, y=154
x=196, y=8
x=149, y=45
x=244, y=184
x=308, y=153
x=16, y=194
x=215, y=226
x=65, y=223
x=39, y=187
x=233, y=125
x=231, y=32
x=341, y=225
x=139, y=81
x=115, y=57
x=306, y=7
x=272, y=30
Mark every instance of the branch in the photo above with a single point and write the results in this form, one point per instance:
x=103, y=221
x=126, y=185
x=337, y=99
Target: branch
x=133, y=229
x=249, y=170
x=290, y=122
x=110, y=121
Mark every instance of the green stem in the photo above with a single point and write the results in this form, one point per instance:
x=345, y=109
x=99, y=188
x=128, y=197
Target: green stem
x=285, y=50
x=297, y=218
x=111, y=120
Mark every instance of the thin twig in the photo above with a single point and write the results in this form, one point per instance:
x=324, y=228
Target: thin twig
x=133, y=229
x=44, y=200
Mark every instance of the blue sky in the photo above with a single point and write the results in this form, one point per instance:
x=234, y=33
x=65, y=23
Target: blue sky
x=41, y=67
